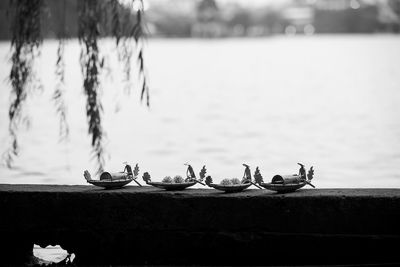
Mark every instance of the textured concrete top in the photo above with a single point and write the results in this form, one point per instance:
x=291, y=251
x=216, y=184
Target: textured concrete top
x=89, y=189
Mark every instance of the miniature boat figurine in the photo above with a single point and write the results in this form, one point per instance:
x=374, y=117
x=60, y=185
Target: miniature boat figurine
x=233, y=185
x=109, y=180
x=287, y=183
x=177, y=183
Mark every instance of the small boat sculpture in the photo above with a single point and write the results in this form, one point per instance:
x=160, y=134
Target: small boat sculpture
x=287, y=183
x=109, y=180
x=177, y=183
x=233, y=185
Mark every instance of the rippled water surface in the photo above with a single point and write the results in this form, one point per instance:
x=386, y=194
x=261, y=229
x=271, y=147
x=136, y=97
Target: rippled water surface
x=328, y=101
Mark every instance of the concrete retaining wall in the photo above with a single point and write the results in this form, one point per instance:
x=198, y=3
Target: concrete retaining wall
x=198, y=226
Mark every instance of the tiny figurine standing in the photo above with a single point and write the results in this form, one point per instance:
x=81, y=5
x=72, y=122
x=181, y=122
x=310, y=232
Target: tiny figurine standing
x=128, y=169
x=191, y=176
x=302, y=171
x=247, y=174
x=190, y=172
x=132, y=175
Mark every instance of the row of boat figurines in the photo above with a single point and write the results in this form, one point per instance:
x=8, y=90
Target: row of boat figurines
x=279, y=183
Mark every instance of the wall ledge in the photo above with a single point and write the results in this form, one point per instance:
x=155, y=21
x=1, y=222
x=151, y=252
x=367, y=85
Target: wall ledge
x=146, y=225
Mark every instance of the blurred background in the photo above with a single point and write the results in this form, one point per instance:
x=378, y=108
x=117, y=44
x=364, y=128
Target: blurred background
x=240, y=18
x=267, y=83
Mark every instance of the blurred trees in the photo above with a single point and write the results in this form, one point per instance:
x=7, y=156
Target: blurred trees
x=182, y=18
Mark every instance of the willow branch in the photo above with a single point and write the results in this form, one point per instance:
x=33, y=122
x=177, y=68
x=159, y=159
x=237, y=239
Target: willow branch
x=91, y=64
x=58, y=95
x=25, y=43
x=139, y=35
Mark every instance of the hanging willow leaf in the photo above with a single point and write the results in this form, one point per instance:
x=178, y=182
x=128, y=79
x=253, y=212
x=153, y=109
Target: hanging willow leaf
x=58, y=95
x=25, y=43
x=139, y=35
x=125, y=51
x=125, y=48
x=133, y=34
x=91, y=64
x=115, y=20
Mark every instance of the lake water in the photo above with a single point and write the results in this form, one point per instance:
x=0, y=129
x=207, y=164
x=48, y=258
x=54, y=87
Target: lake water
x=328, y=101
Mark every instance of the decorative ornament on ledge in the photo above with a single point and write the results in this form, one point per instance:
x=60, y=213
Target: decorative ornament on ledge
x=287, y=183
x=177, y=183
x=115, y=180
x=234, y=185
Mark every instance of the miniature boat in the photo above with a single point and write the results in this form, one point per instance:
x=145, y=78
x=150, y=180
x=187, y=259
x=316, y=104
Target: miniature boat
x=233, y=185
x=178, y=183
x=114, y=180
x=172, y=186
x=111, y=184
x=288, y=183
x=230, y=188
x=283, y=188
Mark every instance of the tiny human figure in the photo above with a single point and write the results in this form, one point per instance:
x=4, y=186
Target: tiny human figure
x=130, y=174
x=190, y=172
x=128, y=169
x=246, y=174
x=302, y=171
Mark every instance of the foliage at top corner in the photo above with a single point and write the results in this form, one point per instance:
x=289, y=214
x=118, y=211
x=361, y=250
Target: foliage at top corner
x=95, y=20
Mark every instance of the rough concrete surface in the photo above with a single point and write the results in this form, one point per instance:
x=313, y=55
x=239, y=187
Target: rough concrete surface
x=146, y=225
